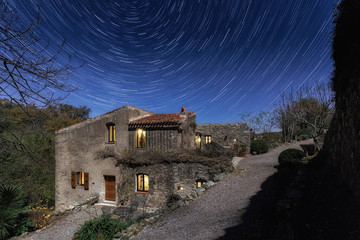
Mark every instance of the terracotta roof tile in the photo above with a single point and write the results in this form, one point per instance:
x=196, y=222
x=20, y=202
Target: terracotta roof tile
x=161, y=118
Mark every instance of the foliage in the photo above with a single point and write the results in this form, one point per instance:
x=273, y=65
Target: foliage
x=308, y=107
x=243, y=148
x=272, y=138
x=259, y=146
x=13, y=221
x=290, y=156
x=40, y=214
x=100, y=228
x=27, y=154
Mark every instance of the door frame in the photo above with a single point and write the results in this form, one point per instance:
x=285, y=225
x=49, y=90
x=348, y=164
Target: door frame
x=106, y=179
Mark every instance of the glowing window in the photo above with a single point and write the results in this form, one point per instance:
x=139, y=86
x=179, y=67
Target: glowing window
x=208, y=139
x=198, y=141
x=80, y=176
x=142, y=182
x=80, y=179
x=199, y=183
x=140, y=138
x=111, y=132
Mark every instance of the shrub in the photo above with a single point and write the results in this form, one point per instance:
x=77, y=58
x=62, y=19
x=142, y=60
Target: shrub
x=259, y=146
x=100, y=228
x=13, y=221
x=291, y=156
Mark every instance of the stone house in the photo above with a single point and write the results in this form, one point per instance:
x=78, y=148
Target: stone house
x=99, y=158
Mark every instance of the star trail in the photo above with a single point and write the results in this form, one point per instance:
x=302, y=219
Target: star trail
x=215, y=57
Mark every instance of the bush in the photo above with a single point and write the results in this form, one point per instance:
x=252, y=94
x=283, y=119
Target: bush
x=291, y=156
x=259, y=146
x=13, y=221
x=100, y=228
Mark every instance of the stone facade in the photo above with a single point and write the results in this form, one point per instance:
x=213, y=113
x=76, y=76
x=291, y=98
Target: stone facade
x=226, y=134
x=165, y=181
x=88, y=157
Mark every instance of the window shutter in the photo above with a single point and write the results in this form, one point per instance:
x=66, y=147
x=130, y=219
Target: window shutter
x=86, y=183
x=73, y=179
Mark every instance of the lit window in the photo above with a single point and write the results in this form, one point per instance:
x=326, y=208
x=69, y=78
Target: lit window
x=140, y=138
x=111, y=132
x=80, y=179
x=199, y=183
x=198, y=141
x=142, y=182
x=208, y=139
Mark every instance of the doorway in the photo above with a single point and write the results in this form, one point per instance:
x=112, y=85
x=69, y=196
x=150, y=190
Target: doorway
x=110, y=188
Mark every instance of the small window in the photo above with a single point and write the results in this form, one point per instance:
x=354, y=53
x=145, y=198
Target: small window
x=80, y=179
x=140, y=138
x=208, y=139
x=111, y=132
x=198, y=141
x=199, y=183
x=142, y=182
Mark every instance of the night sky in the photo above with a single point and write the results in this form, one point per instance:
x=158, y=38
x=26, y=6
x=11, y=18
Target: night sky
x=219, y=58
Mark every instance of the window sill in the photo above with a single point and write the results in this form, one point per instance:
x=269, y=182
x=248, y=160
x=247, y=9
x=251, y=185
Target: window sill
x=110, y=143
x=142, y=192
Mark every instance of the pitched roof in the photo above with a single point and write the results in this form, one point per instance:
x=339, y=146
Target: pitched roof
x=161, y=119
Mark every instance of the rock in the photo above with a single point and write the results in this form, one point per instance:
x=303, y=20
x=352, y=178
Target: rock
x=136, y=217
x=199, y=191
x=193, y=194
x=208, y=184
x=218, y=177
x=180, y=203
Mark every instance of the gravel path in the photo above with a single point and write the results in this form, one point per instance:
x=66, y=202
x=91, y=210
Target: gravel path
x=65, y=227
x=220, y=207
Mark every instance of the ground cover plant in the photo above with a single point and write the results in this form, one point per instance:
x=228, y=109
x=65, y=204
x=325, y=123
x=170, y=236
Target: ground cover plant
x=100, y=228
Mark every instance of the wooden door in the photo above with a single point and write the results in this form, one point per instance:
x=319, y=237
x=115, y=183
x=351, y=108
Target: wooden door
x=110, y=188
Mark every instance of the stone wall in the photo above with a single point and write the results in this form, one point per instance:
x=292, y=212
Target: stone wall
x=226, y=134
x=164, y=182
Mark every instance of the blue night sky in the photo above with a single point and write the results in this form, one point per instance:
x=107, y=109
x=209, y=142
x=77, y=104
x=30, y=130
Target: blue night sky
x=218, y=58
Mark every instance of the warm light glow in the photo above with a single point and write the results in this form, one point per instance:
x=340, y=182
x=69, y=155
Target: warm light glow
x=112, y=133
x=199, y=183
x=143, y=182
x=207, y=139
x=81, y=178
x=146, y=182
x=180, y=188
x=140, y=138
x=198, y=141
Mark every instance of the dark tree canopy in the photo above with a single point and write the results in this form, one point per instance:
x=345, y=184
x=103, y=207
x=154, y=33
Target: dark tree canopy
x=346, y=47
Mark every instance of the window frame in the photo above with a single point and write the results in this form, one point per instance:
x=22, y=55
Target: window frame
x=111, y=132
x=80, y=180
x=208, y=139
x=201, y=181
x=140, y=138
x=144, y=183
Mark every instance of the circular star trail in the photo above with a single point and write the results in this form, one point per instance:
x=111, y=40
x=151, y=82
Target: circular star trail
x=217, y=58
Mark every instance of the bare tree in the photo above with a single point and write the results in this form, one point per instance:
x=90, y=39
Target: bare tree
x=261, y=122
x=309, y=105
x=29, y=72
